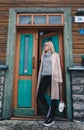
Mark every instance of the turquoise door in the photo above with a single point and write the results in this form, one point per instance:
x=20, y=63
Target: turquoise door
x=25, y=105
x=56, y=42
x=25, y=69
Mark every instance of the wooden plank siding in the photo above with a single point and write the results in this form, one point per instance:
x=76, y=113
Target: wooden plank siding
x=5, y=5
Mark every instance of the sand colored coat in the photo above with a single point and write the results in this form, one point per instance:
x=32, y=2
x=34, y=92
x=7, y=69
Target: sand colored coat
x=56, y=75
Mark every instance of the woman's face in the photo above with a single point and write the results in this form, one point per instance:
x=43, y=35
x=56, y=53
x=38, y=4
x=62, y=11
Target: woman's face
x=46, y=47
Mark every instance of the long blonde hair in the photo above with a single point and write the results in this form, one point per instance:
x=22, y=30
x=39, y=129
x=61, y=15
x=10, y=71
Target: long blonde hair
x=51, y=46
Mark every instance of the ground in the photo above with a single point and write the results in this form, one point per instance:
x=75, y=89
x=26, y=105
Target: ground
x=38, y=125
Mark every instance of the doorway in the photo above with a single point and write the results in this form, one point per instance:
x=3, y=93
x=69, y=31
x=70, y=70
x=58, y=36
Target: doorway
x=57, y=39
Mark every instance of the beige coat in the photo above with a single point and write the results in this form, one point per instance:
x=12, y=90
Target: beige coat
x=56, y=75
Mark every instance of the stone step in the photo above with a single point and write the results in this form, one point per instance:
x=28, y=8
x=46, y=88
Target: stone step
x=38, y=125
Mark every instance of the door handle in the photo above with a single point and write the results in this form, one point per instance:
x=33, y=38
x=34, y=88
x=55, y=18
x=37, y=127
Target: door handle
x=33, y=62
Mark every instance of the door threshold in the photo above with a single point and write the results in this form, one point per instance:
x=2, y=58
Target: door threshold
x=36, y=118
x=29, y=118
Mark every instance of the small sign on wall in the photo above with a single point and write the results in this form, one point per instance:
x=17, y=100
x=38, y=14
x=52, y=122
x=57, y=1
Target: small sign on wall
x=79, y=19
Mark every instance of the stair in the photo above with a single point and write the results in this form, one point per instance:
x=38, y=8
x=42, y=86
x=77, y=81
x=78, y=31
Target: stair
x=38, y=125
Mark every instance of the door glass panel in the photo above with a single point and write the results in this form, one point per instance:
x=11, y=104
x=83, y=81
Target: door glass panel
x=54, y=19
x=39, y=19
x=26, y=55
x=25, y=20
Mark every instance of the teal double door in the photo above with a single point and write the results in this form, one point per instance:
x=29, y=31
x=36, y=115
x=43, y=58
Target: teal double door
x=28, y=52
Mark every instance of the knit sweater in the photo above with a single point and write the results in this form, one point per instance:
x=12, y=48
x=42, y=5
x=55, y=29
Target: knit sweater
x=47, y=64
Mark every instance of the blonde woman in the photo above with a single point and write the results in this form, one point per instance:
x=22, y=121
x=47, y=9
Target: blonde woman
x=49, y=76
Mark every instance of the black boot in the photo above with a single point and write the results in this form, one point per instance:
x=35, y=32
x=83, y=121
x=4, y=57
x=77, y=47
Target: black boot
x=50, y=118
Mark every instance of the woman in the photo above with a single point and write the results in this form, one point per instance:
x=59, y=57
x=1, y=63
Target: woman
x=49, y=76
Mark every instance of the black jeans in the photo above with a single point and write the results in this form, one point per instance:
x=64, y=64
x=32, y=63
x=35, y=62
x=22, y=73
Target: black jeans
x=44, y=84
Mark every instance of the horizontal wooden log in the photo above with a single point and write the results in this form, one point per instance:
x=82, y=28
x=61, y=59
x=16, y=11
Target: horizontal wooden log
x=78, y=46
x=78, y=51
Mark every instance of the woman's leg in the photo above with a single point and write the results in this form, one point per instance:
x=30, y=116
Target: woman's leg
x=45, y=82
x=53, y=108
x=50, y=119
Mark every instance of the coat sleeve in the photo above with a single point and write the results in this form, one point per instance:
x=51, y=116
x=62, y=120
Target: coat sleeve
x=39, y=75
x=60, y=79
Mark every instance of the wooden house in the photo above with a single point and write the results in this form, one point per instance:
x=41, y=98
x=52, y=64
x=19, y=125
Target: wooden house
x=24, y=27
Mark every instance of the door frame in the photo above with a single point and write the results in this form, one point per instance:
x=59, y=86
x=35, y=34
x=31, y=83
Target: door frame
x=8, y=86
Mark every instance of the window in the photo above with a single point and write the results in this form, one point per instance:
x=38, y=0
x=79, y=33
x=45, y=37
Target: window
x=55, y=19
x=25, y=20
x=40, y=19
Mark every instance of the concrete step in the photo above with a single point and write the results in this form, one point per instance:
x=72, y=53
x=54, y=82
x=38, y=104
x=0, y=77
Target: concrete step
x=38, y=125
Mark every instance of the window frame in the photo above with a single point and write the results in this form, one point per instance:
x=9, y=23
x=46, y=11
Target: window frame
x=40, y=14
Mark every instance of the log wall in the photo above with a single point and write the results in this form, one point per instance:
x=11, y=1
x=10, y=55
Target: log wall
x=5, y=5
